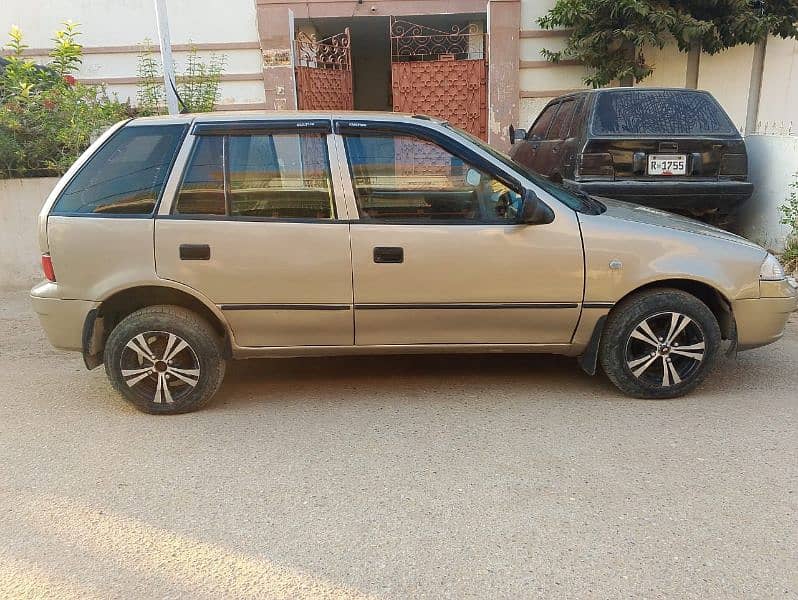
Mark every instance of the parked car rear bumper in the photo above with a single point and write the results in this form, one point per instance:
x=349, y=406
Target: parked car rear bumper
x=62, y=320
x=724, y=196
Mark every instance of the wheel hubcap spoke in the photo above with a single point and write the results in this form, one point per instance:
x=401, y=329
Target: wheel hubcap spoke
x=670, y=338
x=159, y=367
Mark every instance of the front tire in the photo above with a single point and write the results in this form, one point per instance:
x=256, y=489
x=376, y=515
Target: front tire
x=164, y=360
x=659, y=344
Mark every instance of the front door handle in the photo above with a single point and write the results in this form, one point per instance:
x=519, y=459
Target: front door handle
x=195, y=252
x=389, y=254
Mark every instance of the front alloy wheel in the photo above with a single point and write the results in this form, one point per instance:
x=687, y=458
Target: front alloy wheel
x=665, y=349
x=660, y=343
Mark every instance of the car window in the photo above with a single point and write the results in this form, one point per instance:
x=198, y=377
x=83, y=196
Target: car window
x=561, y=123
x=578, y=120
x=541, y=126
x=126, y=175
x=202, y=189
x=402, y=177
x=280, y=175
x=660, y=112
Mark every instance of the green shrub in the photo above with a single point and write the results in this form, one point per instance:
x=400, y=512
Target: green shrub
x=197, y=86
x=789, y=217
x=47, y=117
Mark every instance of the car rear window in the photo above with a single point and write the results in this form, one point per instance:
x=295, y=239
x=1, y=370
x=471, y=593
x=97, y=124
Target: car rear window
x=126, y=175
x=660, y=112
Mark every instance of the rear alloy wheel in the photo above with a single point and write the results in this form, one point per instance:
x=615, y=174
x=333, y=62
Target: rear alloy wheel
x=164, y=360
x=659, y=344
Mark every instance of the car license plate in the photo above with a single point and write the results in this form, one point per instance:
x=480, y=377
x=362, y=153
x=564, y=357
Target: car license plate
x=667, y=164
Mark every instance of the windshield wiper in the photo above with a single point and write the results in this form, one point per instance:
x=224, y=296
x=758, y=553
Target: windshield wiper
x=596, y=206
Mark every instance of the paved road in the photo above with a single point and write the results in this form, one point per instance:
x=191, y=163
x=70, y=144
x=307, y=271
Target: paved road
x=443, y=477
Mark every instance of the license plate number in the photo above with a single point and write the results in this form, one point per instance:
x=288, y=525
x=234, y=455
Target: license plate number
x=667, y=164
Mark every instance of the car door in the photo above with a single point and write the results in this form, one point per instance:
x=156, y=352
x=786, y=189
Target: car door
x=254, y=225
x=529, y=151
x=437, y=255
x=550, y=151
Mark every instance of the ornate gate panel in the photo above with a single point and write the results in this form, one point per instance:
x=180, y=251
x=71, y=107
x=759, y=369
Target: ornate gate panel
x=324, y=72
x=441, y=74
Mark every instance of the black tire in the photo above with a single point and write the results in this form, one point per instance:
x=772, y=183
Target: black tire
x=185, y=383
x=671, y=368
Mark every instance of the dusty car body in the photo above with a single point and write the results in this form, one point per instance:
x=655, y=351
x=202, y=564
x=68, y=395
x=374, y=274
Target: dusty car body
x=673, y=149
x=177, y=243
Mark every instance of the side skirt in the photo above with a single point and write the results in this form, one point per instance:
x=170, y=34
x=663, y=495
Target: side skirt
x=300, y=351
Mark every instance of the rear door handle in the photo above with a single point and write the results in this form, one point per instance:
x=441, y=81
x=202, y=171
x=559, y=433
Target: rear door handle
x=389, y=254
x=195, y=252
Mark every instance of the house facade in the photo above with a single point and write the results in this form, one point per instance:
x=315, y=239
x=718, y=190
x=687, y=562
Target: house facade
x=476, y=62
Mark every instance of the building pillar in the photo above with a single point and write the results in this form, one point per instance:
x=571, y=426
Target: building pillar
x=504, y=59
x=274, y=30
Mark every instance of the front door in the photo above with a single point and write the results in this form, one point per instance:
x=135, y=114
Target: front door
x=255, y=228
x=437, y=255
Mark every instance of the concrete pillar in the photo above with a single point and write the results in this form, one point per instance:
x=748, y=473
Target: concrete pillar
x=504, y=56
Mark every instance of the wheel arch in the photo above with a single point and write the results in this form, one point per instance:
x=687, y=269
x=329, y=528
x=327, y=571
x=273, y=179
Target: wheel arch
x=119, y=304
x=715, y=300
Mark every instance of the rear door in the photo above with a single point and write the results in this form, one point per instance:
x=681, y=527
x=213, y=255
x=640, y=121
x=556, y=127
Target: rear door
x=255, y=227
x=657, y=134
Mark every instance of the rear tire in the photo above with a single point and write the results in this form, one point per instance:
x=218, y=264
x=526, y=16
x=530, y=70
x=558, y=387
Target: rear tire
x=659, y=344
x=164, y=360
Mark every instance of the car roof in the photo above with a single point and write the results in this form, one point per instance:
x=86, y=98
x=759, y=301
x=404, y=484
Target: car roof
x=278, y=115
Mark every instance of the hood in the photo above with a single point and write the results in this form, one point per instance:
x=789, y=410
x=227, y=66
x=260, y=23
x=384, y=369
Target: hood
x=652, y=216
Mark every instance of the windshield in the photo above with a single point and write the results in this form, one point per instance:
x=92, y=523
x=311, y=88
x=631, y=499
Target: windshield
x=578, y=202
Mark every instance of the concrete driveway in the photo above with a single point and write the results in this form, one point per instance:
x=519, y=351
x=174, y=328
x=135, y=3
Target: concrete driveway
x=442, y=477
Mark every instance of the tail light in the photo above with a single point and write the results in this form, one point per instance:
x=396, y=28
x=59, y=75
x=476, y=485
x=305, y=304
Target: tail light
x=733, y=164
x=47, y=267
x=598, y=164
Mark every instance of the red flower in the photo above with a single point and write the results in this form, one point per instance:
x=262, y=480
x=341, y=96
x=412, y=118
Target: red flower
x=70, y=80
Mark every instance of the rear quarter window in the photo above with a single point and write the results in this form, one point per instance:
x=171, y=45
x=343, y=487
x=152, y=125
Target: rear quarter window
x=660, y=112
x=126, y=175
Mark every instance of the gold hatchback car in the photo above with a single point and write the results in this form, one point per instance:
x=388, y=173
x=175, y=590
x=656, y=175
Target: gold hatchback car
x=175, y=244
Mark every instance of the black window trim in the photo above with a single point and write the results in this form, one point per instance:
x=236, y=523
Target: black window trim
x=346, y=127
x=259, y=127
x=150, y=215
x=229, y=129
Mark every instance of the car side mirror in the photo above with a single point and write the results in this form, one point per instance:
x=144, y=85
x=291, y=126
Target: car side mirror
x=534, y=211
x=517, y=135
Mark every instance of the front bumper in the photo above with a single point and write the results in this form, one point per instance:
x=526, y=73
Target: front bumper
x=62, y=320
x=722, y=196
x=761, y=321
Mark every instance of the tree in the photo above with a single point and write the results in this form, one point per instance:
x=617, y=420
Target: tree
x=609, y=36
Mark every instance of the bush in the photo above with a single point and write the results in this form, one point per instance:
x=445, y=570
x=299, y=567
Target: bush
x=48, y=118
x=197, y=86
x=789, y=217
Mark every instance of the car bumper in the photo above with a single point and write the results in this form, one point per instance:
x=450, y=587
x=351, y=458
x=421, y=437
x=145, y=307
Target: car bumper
x=761, y=321
x=62, y=320
x=723, y=196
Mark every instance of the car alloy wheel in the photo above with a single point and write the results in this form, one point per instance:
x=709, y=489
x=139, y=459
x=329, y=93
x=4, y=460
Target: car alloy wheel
x=160, y=367
x=665, y=349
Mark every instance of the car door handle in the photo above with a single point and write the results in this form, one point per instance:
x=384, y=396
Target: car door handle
x=195, y=252
x=389, y=254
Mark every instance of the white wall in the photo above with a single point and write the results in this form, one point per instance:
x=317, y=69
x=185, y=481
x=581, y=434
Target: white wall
x=773, y=164
x=129, y=22
x=20, y=202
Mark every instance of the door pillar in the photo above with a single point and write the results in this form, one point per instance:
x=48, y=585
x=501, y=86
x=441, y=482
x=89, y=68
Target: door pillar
x=274, y=30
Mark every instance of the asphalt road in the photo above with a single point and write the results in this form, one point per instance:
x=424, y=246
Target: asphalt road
x=399, y=477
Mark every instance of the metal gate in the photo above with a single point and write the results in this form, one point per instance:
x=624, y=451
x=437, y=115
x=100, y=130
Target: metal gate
x=323, y=72
x=441, y=74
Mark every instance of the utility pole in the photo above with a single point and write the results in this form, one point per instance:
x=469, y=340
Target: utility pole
x=169, y=82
